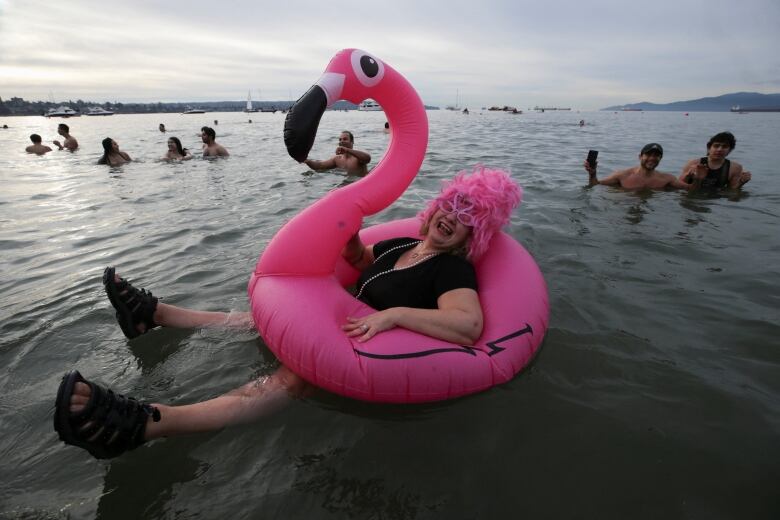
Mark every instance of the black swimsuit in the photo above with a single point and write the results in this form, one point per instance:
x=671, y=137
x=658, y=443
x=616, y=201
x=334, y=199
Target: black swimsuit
x=717, y=178
x=419, y=286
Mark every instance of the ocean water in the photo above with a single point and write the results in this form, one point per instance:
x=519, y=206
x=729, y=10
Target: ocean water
x=656, y=393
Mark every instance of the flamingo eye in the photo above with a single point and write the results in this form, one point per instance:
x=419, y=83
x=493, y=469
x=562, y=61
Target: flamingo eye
x=369, y=66
x=369, y=70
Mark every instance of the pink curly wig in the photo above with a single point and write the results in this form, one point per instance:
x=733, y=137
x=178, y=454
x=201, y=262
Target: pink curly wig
x=494, y=195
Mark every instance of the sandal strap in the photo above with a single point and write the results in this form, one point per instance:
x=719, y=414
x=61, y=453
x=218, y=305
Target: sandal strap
x=110, y=424
x=142, y=303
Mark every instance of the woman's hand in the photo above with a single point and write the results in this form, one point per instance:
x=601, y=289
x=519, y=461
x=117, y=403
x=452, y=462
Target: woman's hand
x=369, y=326
x=358, y=255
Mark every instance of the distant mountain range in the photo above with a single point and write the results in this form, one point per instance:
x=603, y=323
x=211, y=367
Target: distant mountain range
x=724, y=103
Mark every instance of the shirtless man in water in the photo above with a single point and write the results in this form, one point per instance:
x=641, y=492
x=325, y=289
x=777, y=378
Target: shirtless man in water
x=210, y=146
x=37, y=148
x=70, y=142
x=346, y=158
x=643, y=176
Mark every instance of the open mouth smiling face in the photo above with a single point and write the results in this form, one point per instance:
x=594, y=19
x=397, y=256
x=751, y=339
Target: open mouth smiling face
x=450, y=230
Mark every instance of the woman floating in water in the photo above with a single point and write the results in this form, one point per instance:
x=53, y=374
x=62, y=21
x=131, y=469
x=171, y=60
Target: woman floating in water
x=428, y=286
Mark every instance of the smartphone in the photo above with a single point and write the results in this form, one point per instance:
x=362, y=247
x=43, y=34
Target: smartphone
x=592, y=156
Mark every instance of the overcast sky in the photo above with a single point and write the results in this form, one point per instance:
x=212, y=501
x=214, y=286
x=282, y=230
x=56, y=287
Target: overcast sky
x=583, y=54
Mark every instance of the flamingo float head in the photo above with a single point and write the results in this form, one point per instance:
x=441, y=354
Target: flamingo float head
x=353, y=75
x=311, y=242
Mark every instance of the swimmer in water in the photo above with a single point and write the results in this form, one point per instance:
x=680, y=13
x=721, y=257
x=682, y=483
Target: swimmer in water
x=37, y=148
x=210, y=146
x=175, y=151
x=346, y=158
x=640, y=177
x=714, y=171
x=70, y=142
x=112, y=155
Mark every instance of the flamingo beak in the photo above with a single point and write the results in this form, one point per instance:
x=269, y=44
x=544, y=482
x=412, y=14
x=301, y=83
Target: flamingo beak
x=303, y=119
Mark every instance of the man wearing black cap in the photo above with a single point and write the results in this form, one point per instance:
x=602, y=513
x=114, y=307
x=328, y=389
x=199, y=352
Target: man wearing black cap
x=642, y=176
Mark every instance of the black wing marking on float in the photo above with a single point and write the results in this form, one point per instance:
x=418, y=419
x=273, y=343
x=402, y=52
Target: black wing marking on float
x=493, y=348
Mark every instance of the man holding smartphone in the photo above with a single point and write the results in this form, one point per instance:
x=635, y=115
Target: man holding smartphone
x=639, y=177
x=714, y=171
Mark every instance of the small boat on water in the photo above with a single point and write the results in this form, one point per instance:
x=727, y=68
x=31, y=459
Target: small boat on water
x=62, y=111
x=190, y=110
x=99, y=111
x=249, y=108
x=369, y=105
x=505, y=108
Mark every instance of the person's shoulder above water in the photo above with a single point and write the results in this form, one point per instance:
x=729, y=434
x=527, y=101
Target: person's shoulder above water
x=215, y=150
x=37, y=147
x=210, y=146
x=112, y=155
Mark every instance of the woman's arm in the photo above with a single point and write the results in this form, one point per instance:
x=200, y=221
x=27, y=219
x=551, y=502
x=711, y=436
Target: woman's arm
x=458, y=319
x=358, y=255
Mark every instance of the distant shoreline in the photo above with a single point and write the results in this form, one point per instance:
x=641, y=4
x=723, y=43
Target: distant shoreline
x=724, y=103
x=17, y=106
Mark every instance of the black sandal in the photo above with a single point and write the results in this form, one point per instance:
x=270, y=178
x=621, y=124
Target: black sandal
x=109, y=425
x=133, y=306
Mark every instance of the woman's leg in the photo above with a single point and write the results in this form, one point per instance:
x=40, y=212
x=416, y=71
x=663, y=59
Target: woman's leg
x=179, y=317
x=164, y=314
x=243, y=405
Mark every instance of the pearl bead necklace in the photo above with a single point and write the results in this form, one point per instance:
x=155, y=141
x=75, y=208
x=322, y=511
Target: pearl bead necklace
x=377, y=275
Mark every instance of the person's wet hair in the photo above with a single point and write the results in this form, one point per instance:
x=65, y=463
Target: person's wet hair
x=209, y=132
x=351, y=137
x=35, y=138
x=181, y=151
x=107, y=149
x=723, y=138
x=65, y=127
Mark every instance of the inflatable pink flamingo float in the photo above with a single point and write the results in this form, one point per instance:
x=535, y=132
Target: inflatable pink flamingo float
x=297, y=290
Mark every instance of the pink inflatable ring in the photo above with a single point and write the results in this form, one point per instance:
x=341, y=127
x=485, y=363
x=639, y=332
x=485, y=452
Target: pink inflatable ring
x=297, y=290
